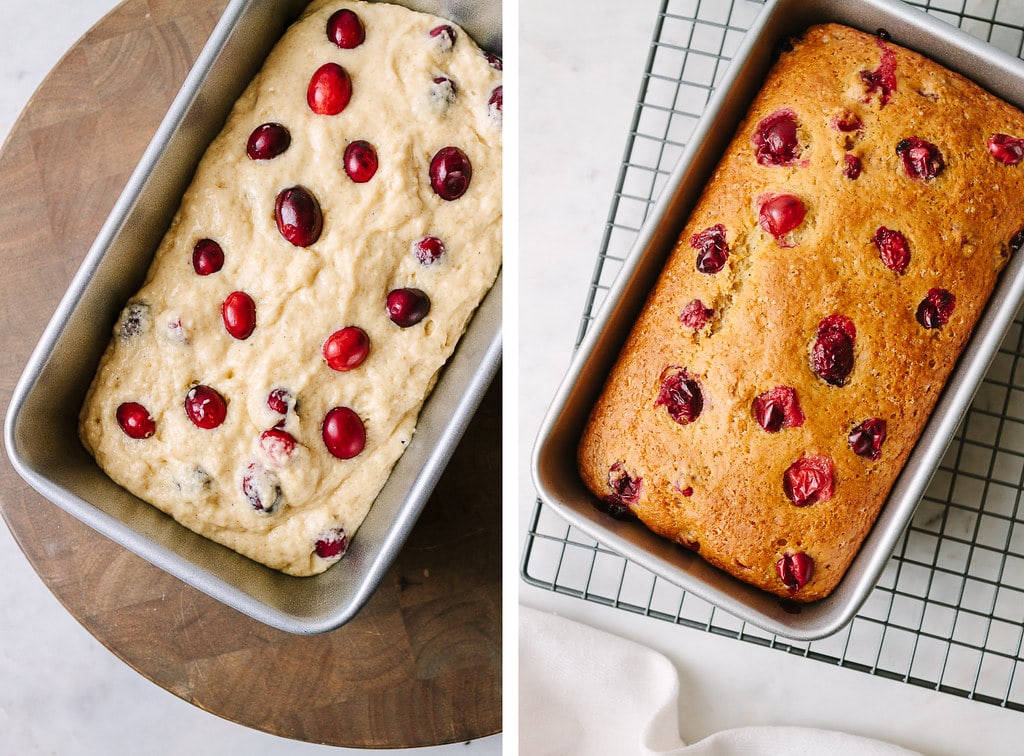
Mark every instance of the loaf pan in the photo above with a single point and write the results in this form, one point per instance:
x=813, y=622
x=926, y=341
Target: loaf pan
x=554, y=458
x=41, y=425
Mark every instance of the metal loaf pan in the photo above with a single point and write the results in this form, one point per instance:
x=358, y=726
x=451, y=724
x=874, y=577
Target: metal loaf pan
x=41, y=424
x=554, y=459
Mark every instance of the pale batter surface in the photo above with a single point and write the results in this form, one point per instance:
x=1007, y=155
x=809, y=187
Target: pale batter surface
x=413, y=93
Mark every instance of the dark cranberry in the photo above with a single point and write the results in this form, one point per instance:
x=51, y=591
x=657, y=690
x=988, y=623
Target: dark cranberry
x=795, y=570
x=781, y=213
x=346, y=349
x=445, y=36
x=494, y=104
x=712, y=249
x=345, y=29
x=407, y=307
x=921, y=159
x=1006, y=149
x=298, y=216
x=624, y=493
x=936, y=308
x=278, y=445
x=778, y=408
x=428, y=250
x=239, y=315
x=893, y=248
x=344, y=433
x=847, y=122
x=135, y=320
x=809, y=480
x=852, y=166
x=494, y=61
x=135, y=420
x=689, y=544
x=832, y=353
x=867, y=438
x=443, y=91
x=695, y=315
x=207, y=257
x=687, y=492
x=774, y=139
x=331, y=544
x=680, y=395
x=279, y=400
x=360, y=161
x=883, y=78
x=205, y=407
x=330, y=89
x=450, y=173
x=261, y=489
x=268, y=141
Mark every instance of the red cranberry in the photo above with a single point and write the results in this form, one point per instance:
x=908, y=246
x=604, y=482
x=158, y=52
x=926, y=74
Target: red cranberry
x=795, y=570
x=443, y=91
x=344, y=433
x=774, y=139
x=207, y=257
x=450, y=173
x=345, y=29
x=781, y=213
x=205, y=407
x=695, y=315
x=893, y=248
x=135, y=320
x=832, y=353
x=330, y=89
x=239, y=315
x=712, y=249
x=680, y=395
x=360, y=161
x=268, y=141
x=494, y=61
x=867, y=438
x=346, y=349
x=1006, y=149
x=689, y=544
x=279, y=400
x=261, y=489
x=298, y=216
x=445, y=36
x=428, y=250
x=494, y=104
x=883, y=78
x=135, y=420
x=331, y=544
x=936, y=308
x=407, y=307
x=778, y=408
x=852, y=166
x=921, y=159
x=809, y=480
x=278, y=445
x=847, y=122
x=623, y=495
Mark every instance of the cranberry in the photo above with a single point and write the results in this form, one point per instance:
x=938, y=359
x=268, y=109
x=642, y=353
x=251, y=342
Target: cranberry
x=450, y=173
x=883, y=78
x=278, y=445
x=921, y=159
x=936, y=308
x=809, y=480
x=207, y=257
x=345, y=29
x=135, y=420
x=1006, y=149
x=847, y=122
x=695, y=315
x=428, y=250
x=689, y=544
x=331, y=544
x=778, y=408
x=494, y=104
x=346, y=349
x=774, y=139
x=360, y=161
x=344, y=433
x=205, y=407
x=262, y=489
x=136, y=319
x=624, y=493
x=832, y=353
x=795, y=570
x=867, y=438
x=445, y=36
x=268, y=141
x=330, y=89
x=781, y=213
x=852, y=166
x=279, y=400
x=239, y=315
x=494, y=61
x=680, y=395
x=443, y=92
x=893, y=248
x=298, y=216
x=407, y=307
x=712, y=249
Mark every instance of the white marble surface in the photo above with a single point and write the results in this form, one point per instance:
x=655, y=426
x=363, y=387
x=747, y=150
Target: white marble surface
x=581, y=68
x=61, y=691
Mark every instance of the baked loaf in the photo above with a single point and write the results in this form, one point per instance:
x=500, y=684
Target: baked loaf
x=796, y=342
x=334, y=242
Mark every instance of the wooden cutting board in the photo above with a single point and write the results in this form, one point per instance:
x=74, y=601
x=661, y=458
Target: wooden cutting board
x=421, y=664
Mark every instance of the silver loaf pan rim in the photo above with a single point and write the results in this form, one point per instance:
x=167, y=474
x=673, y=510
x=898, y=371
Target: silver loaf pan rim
x=553, y=463
x=40, y=428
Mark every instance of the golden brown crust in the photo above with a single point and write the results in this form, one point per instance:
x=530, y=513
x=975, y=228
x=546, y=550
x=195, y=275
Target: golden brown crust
x=716, y=483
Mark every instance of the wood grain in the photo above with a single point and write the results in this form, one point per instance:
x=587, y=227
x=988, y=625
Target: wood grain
x=421, y=664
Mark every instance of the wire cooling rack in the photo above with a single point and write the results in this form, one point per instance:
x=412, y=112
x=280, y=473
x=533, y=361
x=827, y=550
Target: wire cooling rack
x=948, y=612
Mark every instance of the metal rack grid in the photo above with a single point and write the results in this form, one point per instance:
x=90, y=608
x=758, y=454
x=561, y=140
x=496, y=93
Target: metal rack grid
x=948, y=612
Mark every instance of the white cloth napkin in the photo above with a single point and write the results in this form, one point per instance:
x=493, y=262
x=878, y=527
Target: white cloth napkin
x=584, y=691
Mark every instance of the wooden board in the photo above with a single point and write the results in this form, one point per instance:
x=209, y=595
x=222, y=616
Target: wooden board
x=421, y=664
